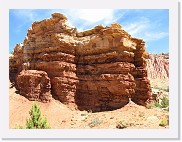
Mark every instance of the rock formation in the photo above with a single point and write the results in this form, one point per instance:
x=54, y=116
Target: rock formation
x=34, y=85
x=158, y=66
x=98, y=69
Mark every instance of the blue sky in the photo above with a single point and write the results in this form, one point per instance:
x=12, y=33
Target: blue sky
x=151, y=25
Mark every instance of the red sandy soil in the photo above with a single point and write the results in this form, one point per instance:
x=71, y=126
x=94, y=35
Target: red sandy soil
x=60, y=116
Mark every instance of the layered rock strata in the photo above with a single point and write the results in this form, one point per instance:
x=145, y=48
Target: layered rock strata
x=98, y=69
x=34, y=85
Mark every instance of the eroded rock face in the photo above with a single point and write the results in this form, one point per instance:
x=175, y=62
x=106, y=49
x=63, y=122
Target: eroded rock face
x=158, y=66
x=34, y=85
x=15, y=61
x=98, y=69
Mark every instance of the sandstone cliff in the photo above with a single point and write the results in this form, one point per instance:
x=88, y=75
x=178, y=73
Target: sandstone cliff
x=98, y=69
x=158, y=66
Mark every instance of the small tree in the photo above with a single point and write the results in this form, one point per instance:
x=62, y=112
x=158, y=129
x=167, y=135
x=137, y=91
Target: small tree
x=36, y=121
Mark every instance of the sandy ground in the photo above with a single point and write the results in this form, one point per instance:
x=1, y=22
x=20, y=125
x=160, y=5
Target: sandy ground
x=61, y=117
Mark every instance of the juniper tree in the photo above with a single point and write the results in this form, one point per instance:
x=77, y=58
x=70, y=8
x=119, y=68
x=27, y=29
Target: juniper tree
x=36, y=121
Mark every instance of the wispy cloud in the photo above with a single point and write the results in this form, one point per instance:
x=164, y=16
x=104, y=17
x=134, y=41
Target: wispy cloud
x=136, y=28
x=93, y=15
x=152, y=36
x=86, y=18
x=24, y=16
x=80, y=18
x=150, y=25
x=146, y=29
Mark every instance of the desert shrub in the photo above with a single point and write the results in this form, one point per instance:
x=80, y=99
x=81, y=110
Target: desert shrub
x=36, y=121
x=164, y=102
x=95, y=122
x=156, y=104
x=164, y=122
x=151, y=105
x=19, y=127
x=122, y=124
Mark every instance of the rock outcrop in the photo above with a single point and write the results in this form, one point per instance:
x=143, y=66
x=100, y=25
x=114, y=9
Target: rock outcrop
x=34, y=85
x=98, y=69
x=158, y=66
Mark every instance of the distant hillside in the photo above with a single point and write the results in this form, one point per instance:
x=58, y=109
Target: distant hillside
x=158, y=66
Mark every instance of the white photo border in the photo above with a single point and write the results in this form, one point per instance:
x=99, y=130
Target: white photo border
x=171, y=133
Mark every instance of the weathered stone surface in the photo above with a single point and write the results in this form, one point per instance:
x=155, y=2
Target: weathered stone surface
x=98, y=69
x=34, y=85
x=158, y=66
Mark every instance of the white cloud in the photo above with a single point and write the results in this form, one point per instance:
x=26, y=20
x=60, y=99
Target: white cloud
x=80, y=18
x=145, y=29
x=92, y=15
x=155, y=35
x=88, y=18
x=136, y=28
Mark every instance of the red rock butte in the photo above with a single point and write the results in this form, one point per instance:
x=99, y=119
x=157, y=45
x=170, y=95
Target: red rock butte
x=98, y=69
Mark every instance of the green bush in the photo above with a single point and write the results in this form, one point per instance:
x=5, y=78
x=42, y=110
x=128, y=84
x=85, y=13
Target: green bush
x=164, y=122
x=36, y=121
x=164, y=102
x=156, y=104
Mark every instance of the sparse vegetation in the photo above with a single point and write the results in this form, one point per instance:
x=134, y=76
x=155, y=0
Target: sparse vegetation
x=122, y=124
x=35, y=121
x=162, y=85
x=163, y=88
x=95, y=122
x=164, y=102
x=19, y=127
x=156, y=104
x=164, y=122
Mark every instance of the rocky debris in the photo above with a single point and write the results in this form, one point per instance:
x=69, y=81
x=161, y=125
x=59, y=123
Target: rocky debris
x=158, y=66
x=34, y=85
x=98, y=69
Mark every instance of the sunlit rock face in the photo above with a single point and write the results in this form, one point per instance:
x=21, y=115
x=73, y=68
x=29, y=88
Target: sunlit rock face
x=98, y=69
x=34, y=85
x=158, y=66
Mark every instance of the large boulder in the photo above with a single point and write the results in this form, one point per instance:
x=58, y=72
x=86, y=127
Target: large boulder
x=34, y=85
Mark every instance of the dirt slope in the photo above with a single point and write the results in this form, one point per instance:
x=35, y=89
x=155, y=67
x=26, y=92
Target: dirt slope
x=60, y=117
